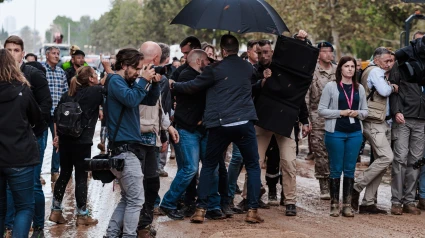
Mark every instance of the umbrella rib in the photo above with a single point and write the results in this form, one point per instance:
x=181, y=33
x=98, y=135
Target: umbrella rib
x=268, y=11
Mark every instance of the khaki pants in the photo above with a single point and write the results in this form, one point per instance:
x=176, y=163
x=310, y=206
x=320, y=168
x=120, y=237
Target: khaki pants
x=379, y=137
x=287, y=147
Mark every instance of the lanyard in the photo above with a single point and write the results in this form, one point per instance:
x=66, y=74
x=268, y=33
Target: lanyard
x=350, y=102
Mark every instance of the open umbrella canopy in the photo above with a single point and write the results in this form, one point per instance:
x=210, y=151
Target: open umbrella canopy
x=240, y=16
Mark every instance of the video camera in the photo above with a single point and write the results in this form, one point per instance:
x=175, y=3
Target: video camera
x=418, y=164
x=103, y=162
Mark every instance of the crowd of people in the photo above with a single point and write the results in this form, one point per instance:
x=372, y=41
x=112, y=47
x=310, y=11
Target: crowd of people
x=201, y=104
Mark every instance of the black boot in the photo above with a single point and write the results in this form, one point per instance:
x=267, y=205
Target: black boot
x=347, y=191
x=273, y=195
x=334, y=192
x=227, y=209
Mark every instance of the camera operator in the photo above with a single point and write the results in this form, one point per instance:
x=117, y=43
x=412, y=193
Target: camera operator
x=150, y=127
x=124, y=94
x=408, y=112
x=85, y=90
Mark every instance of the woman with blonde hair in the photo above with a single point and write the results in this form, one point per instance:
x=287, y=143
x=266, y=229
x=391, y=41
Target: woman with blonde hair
x=73, y=150
x=18, y=145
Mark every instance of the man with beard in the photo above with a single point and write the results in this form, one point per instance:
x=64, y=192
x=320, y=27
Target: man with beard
x=76, y=62
x=123, y=100
x=324, y=73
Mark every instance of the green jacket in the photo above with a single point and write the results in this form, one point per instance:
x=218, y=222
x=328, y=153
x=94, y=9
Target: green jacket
x=68, y=65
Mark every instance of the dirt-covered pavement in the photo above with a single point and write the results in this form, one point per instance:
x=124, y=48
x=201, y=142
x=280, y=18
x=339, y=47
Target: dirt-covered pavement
x=313, y=218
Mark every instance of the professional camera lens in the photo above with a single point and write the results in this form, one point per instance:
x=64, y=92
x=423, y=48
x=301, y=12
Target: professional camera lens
x=96, y=164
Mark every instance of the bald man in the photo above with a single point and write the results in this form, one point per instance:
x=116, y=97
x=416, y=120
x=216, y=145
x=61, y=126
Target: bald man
x=150, y=125
x=192, y=146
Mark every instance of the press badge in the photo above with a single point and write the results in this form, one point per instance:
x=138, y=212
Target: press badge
x=352, y=121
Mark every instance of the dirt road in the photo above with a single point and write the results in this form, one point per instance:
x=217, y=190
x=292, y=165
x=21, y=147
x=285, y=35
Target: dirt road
x=313, y=218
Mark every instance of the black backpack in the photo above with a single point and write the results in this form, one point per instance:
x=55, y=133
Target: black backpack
x=69, y=118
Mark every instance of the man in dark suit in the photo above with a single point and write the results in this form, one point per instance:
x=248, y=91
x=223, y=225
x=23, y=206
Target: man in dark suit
x=229, y=116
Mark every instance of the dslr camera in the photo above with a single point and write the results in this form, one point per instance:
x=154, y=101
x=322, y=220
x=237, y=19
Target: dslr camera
x=418, y=164
x=104, y=162
x=162, y=70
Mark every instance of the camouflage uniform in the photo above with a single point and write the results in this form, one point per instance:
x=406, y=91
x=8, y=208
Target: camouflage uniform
x=320, y=78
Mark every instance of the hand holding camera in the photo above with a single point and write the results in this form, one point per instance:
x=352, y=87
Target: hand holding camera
x=147, y=72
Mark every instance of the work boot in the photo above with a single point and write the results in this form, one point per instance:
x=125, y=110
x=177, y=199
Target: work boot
x=253, y=217
x=347, y=189
x=158, y=211
x=371, y=209
x=411, y=208
x=56, y=216
x=215, y=215
x=421, y=204
x=54, y=177
x=334, y=193
x=242, y=207
x=101, y=147
x=147, y=232
x=263, y=205
x=273, y=196
x=199, y=215
x=396, y=209
x=310, y=156
x=172, y=213
x=324, y=189
x=162, y=173
x=188, y=210
x=37, y=232
x=291, y=210
x=42, y=181
x=227, y=210
x=85, y=220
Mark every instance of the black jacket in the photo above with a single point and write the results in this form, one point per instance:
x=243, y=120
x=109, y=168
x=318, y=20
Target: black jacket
x=229, y=91
x=190, y=107
x=19, y=112
x=410, y=99
x=70, y=73
x=41, y=92
x=89, y=98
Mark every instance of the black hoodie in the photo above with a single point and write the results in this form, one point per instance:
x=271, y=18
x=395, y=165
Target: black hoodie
x=19, y=112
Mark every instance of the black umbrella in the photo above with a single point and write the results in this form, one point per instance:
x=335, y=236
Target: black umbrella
x=241, y=16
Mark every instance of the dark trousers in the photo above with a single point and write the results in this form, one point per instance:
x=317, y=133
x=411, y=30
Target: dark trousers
x=148, y=157
x=273, y=161
x=219, y=139
x=73, y=155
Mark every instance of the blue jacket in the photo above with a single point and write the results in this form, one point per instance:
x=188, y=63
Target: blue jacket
x=121, y=94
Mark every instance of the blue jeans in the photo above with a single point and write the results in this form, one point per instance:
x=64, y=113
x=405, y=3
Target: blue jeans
x=55, y=155
x=343, y=149
x=219, y=139
x=189, y=151
x=422, y=183
x=21, y=183
x=234, y=170
x=38, y=220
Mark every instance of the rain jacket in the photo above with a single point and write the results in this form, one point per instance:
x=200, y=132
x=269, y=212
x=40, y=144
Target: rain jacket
x=19, y=113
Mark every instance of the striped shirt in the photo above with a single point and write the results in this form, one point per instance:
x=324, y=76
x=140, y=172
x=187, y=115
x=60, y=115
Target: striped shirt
x=58, y=83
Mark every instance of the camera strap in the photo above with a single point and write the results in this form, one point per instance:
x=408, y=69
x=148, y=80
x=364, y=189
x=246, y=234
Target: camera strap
x=118, y=127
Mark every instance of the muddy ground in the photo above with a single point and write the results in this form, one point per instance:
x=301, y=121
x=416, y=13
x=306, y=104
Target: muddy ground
x=313, y=218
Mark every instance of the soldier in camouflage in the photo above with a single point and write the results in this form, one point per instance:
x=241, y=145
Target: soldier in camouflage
x=324, y=73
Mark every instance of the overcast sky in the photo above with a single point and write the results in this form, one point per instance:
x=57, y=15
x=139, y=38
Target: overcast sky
x=47, y=10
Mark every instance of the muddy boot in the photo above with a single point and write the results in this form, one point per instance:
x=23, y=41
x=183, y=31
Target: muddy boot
x=56, y=216
x=242, y=207
x=411, y=208
x=421, y=204
x=334, y=194
x=355, y=197
x=147, y=232
x=347, y=190
x=226, y=208
x=253, y=217
x=199, y=215
x=324, y=189
x=85, y=220
x=273, y=196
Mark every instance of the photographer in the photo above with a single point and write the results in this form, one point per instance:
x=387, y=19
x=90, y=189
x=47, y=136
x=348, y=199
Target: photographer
x=84, y=90
x=125, y=95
